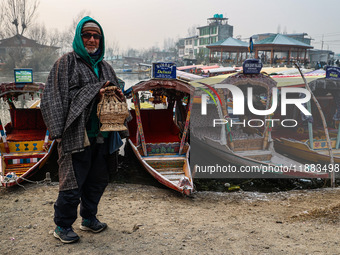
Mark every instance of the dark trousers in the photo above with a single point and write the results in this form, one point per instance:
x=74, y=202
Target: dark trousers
x=91, y=171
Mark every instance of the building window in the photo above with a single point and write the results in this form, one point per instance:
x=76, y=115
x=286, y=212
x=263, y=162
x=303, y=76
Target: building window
x=204, y=31
x=213, y=39
x=204, y=41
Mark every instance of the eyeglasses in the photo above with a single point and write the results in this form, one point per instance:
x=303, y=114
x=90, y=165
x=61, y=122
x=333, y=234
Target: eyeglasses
x=88, y=36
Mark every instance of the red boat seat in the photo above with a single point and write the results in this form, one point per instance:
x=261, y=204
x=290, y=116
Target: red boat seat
x=158, y=126
x=27, y=125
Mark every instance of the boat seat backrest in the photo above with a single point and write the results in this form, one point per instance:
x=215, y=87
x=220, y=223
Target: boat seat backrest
x=132, y=125
x=153, y=120
x=27, y=119
x=161, y=120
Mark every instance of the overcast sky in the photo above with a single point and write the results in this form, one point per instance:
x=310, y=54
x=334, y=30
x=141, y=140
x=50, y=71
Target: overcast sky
x=146, y=23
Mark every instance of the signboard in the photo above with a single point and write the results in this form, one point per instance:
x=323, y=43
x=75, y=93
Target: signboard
x=252, y=66
x=23, y=75
x=164, y=70
x=332, y=72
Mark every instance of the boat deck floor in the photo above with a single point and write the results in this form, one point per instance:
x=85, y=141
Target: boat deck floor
x=18, y=169
x=260, y=155
x=287, y=133
x=253, y=152
x=170, y=168
x=336, y=153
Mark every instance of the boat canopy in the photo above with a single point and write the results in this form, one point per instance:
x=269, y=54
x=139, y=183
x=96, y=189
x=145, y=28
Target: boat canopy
x=219, y=70
x=12, y=88
x=211, y=80
x=324, y=83
x=208, y=67
x=332, y=86
x=187, y=76
x=164, y=84
x=254, y=79
x=181, y=68
x=297, y=80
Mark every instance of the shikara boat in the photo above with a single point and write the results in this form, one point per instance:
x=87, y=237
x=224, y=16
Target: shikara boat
x=307, y=141
x=158, y=137
x=242, y=145
x=25, y=144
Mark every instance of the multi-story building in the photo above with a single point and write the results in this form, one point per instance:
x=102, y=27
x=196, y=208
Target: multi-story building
x=180, y=45
x=190, y=47
x=217, y=29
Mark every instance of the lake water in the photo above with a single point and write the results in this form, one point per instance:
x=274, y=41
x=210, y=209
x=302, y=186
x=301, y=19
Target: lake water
x=130, y=79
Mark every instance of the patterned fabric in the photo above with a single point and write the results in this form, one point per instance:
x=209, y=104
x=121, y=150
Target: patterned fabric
x=66, y=104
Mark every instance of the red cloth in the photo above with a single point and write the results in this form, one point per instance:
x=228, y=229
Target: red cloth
x=158, y=126
x=27, y=125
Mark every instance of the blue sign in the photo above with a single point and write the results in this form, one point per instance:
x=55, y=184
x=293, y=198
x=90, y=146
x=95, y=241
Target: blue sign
x=23, y=75
x=333, y=72
x=252, y=66
x=164, y=70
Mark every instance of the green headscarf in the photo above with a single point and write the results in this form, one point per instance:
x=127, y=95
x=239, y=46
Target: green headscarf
x=78, y=45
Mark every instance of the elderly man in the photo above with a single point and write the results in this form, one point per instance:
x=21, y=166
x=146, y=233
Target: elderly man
x=68, y=105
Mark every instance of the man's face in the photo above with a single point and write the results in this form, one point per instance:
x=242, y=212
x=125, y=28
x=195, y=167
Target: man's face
x=91, y=40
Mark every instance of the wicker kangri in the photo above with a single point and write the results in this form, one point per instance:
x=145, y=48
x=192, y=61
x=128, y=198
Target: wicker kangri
x=111, y=111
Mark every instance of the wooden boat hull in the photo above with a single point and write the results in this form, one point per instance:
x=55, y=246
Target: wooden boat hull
x=255, y=163
x=302, y=151
x=25, y=145
x=15, y=167
x=173, y=171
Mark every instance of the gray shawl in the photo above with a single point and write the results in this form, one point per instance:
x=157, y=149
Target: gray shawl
x=66, y=104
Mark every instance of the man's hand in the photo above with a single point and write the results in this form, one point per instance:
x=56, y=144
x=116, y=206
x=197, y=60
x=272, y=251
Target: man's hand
x=118, y=92
x=102, y=90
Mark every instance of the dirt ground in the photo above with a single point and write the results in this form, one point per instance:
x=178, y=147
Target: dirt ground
x=145, y=219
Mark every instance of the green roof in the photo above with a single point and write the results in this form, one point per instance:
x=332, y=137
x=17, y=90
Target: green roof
x=280, y=39
x=229, y=42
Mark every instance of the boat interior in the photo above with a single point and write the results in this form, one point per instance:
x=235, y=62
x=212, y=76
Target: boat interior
x=25, y=135
x=158, y=126
x=26, y=124
x=162, y=138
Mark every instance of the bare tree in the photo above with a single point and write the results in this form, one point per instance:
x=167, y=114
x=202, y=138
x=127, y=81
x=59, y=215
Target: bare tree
x=55, y=38
x=192, y=31
x=168, y=44
x=19, y=15
x=112, y=48
x=279, y=29
x=41, y=35
x=68, y=35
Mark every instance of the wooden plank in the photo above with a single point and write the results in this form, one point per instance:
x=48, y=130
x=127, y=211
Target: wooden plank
x=173, y=177
x=170, y=170
x=19, y=166
x=171, y=173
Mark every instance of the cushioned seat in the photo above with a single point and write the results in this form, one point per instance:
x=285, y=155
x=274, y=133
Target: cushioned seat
x=158, y=126
x=26, y=125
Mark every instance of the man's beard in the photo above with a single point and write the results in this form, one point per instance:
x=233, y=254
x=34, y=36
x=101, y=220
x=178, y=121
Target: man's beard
x=91, y=51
